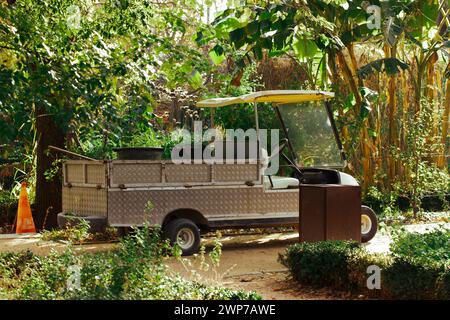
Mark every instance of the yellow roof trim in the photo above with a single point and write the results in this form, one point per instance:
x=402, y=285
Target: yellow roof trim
x=271, y=96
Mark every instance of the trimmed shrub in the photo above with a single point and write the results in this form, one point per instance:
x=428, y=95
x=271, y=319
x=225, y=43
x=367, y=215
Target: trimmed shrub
x=417, y=268
x=409, y=279
x=419, y=264
x=358, y=262
x=443, y=285
x=320, y=263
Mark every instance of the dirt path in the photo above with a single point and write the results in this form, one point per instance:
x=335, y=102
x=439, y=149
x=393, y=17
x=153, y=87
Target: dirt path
x=278, y=286
x=242, y=255
x=250, y=263
x=34, y=243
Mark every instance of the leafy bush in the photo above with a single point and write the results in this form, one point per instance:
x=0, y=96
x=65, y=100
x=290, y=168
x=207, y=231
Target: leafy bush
x=407, y=278
x=8, y=208
x=145, y=139
x=358, y=262
x=320, y=263
x=443, y=290
x=417, y=268
x=398, y=203
x=419, y=263
x=76, y=233
x=432, y=247
x=134, y=271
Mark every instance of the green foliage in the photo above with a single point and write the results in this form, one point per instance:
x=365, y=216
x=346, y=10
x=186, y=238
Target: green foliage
x=428, y=182
x=8, y=208
x=97, y=70
x=313, y=29
x=358, y=262
x=419, y=265
x=169, y=142
x=389, y=65
x=146, y=139
x=216, y=253
x=96, y=147
x=321, y=263
x=77, y=232
x=424, y=177
x=417, y=268
x=431, y=180
x=6, y=199
x=134, y=271
x=408, y=279
x=444, y=285
x=242, y=116
x=384, y=204
x=432, y=247
x=416, y=174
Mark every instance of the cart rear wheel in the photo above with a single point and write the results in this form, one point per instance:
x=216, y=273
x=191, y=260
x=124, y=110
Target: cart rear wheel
x=185, y=234
x=369, y=224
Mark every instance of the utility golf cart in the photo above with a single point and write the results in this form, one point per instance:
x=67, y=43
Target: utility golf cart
x=194, y=197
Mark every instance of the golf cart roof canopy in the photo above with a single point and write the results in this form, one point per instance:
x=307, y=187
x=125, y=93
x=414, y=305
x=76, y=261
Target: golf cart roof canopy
x=272, y=96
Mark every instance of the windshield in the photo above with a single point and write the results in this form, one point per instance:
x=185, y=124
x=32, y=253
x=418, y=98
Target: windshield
x=311, y=134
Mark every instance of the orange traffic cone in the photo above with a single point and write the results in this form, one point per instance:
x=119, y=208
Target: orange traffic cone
x=25, y=223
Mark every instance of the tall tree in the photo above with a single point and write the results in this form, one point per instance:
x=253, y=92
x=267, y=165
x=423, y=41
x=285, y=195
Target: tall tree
x=72, y=66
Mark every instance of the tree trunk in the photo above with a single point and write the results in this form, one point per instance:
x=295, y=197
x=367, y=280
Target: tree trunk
x=392, y=113
x=430, y=91
x=48, y=201
x=350, y=76
x=406, y=102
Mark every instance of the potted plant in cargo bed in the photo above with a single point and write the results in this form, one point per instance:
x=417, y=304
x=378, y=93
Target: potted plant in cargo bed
x=145, y=146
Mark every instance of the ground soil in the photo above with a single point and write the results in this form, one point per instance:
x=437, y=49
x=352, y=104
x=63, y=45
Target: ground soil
x=251, y=263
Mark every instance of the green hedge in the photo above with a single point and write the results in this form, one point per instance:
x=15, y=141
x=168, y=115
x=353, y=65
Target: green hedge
x=417, y=272
x=444, y=285
x=321, y=263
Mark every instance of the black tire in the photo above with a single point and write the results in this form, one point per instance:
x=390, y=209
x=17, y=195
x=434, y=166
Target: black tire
x=172, y=229
x=368, y=212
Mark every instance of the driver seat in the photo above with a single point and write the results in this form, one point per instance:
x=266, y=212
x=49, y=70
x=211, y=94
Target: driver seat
x=280, y=182
x=276, y=182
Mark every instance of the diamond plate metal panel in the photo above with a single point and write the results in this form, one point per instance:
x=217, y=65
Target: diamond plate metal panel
x=128, y=207
x=85, y=201
x=187, y=173
x=217, y=191
x=135, y=173
x=236, y=172
x=95, y=174
x=74, y=173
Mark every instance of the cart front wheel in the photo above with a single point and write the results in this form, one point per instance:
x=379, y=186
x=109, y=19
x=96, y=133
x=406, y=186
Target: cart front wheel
x=369, y=224
x=185, y=234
